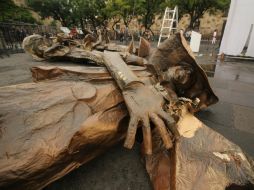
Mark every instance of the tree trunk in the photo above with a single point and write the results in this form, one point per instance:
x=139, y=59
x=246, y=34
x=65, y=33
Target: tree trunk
x=126, y=23
x=191, y=25
x=194, y=19
x=151, y=30
x=114, y=23
x=82, y=25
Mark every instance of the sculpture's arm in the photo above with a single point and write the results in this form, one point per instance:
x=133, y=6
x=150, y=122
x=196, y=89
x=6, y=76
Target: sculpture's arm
x=143, y=104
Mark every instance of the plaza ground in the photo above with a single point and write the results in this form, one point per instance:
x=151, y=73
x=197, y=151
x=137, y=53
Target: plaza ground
x=119, y=168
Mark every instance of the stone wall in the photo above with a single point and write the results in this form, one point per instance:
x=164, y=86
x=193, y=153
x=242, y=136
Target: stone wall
x=46, y=21
x=19, y=2
x=208, y=23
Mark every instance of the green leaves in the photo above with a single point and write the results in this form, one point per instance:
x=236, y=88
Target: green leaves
x=58, y=9
x=71, y=12
x=125, y=9
x=144, y=10
x=81, y=12
x=11, y=12
x=196, y=8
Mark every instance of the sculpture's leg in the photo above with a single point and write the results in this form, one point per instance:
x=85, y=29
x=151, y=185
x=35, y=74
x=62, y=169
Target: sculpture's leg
x=201, y=159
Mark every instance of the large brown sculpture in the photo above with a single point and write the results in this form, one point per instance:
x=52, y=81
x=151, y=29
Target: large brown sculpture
x=73, y=114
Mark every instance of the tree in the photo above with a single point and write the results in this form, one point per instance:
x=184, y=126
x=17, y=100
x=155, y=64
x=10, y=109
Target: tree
x=196, y=8
x=11, y=12
x=125, y=9
x=113, y=12
x=72, y=12
x=144, y=10
x=149, y=9
x=90, y=11
x=57, y=9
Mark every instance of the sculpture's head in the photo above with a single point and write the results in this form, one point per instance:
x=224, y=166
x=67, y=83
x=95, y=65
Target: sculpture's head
x=35, y=45
x=174, y=62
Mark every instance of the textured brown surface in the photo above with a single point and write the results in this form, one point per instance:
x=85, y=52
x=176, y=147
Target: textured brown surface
x=176, y=52
x=96, y=129
x=201, y=159
x=91, y=74
x=67, y=123
x=63, y=127
x=66, y=127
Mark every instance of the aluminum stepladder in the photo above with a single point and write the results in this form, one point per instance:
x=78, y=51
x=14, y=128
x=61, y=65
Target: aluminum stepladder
x=170, y=17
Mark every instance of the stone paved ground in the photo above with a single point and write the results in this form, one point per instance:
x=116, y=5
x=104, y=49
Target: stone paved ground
x=119, y=168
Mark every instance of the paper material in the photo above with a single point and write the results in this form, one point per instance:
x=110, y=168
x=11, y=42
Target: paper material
x=195, y=41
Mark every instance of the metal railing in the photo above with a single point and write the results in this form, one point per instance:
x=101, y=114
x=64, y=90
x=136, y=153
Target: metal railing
x=12, y=35
x=116, y=36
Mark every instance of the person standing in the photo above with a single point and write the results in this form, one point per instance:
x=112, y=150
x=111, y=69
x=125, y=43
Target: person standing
x=74, y=32
x=214, y=36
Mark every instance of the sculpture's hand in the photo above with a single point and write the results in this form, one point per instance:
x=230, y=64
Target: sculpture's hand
x=145, y=105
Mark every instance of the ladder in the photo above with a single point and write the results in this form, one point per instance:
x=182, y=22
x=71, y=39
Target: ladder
x=170, y=17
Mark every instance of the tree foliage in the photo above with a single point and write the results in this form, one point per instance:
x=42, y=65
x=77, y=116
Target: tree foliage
x=89, y=11
x=144, y=10
x=57, y=9
x=97, y=12
x=72, y=12
x=125, y=9
x=149, y=9
x=196, y=8
x=11, y=12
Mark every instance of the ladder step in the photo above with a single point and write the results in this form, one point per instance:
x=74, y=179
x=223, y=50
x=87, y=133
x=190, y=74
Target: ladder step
x=170, y=16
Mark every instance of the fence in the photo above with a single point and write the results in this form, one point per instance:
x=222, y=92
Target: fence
x=12, y=35
x=115, y=36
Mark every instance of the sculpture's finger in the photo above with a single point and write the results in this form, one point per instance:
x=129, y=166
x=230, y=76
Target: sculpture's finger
x=170, y=123
x=162, y=130
x=131, y=133
x=147, y=137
